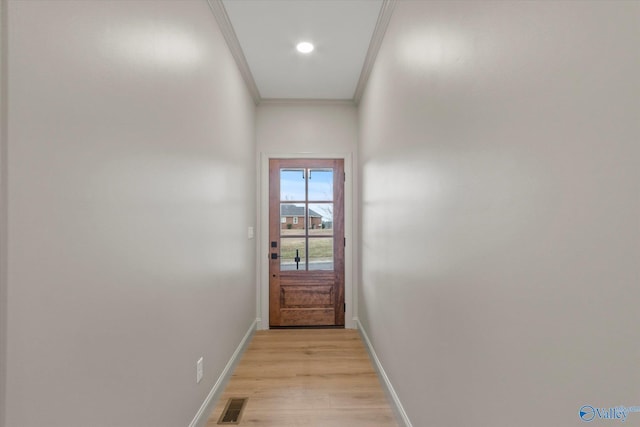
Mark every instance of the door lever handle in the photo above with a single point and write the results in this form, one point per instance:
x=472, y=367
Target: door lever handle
x=274, y=256
x=297, y=259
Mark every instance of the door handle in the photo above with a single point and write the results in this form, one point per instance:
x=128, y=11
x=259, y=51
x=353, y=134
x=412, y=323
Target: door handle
x=297, y=259
x=274, y=256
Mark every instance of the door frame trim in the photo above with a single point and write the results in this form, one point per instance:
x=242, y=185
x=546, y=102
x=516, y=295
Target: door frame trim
x=262, y=249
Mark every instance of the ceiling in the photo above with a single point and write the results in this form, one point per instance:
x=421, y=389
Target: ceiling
x=346, y=35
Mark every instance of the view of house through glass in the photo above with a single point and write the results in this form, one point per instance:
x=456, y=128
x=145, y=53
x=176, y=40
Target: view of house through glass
x=306, y=219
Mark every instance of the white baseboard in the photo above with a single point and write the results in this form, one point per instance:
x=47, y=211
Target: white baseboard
x=203, y=413
x=395, y=400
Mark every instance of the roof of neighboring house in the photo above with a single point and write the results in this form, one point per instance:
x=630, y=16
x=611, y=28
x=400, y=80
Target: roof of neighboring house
x=293, y=210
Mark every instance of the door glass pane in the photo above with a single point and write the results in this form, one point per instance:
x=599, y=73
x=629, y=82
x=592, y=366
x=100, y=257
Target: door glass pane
x=320, y=219
x=292, y=219
x=290, y=248
x=321, y=253
x=292, y=184
x=320, y=185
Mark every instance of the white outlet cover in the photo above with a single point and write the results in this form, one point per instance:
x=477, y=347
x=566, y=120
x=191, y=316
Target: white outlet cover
x=250, y=233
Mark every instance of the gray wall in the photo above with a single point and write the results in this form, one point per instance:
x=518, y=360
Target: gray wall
x=3, y=207
x=500, y=210
x=300, y=127
x=131, y=183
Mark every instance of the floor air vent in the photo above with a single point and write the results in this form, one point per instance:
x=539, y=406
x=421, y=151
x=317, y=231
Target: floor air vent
x=233, y=411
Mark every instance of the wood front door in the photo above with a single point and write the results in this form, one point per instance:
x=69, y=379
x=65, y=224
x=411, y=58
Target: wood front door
x=306, y=242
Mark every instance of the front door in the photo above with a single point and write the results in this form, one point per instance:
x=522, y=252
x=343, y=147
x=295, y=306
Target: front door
x=306, y=242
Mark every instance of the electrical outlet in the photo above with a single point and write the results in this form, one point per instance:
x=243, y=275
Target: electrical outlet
x=250, y=233
x=199, y=370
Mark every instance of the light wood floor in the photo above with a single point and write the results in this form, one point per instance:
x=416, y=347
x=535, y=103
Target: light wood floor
x=307, y=377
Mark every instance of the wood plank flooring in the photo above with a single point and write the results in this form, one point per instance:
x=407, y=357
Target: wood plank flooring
x=307, y=377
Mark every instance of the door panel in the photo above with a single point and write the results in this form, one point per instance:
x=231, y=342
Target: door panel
x=306, y=242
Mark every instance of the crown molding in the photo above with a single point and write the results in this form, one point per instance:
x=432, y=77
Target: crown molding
x=220, y=13
x=306, y=101
x=374, y=46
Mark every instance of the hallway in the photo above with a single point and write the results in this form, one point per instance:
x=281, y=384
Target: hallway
x=491, y=187
x=307, y=377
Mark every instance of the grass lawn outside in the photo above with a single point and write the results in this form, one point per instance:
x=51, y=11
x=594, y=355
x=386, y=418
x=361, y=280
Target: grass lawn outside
x=320, y=249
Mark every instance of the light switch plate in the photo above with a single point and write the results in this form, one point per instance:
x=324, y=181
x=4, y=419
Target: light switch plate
x=250, y=233
x=199, y=370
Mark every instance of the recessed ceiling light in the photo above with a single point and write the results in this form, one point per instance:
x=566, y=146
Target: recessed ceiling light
x=305, y=47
